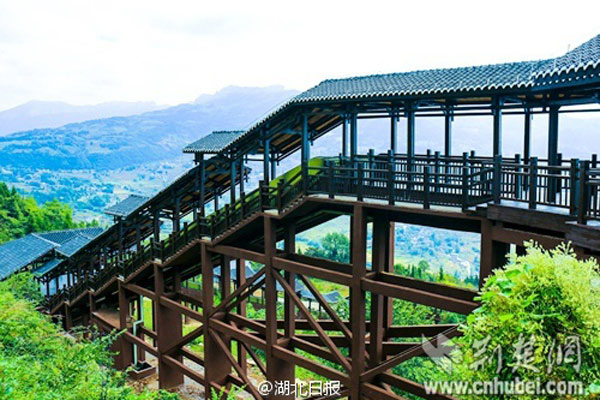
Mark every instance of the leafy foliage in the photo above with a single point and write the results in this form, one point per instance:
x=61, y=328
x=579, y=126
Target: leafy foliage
x=22, y=215
x=334, y=246
x=543, y=297
x=39, y=361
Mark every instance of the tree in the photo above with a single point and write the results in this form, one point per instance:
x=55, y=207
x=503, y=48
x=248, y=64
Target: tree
x=531, y=310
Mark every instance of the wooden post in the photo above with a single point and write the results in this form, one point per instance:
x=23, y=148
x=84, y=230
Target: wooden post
x=305, y=153
x=232, y=184
x=394, y=131
x=344, y=135
x=357, y=300
x=240, y=271
x=518, y=178
x=573, y=186
x=448, y=119
x=533, y=183
x=584, y=193
x=426, y=173
x=391, y=178
x=266, y=159
x=168, y=326
x=497, y=112
x=527, y=135
x=125, y=357
x=216, y=365
x=497, y=183
x=353, y=138
x=277, y=369
x=202, y=167
x=381, y=231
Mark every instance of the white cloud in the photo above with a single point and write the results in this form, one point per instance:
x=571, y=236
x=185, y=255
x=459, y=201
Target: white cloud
x=170, y=52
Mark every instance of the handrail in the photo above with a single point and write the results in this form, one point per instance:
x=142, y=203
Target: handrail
x=463, y=182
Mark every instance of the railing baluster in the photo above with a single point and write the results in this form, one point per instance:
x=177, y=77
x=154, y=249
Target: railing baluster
x=573, y=186
x=584, y=193
x=391, y=178
x=359, y=182
x=426, y=187
x=465, y=188
x=496, y=190
x=533, y=182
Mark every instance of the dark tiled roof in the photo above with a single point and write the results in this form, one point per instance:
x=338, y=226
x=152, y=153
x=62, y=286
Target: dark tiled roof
x=69, y=247
x=525, y=74
x=433, y=81
x=585, y=56
x=19, y=253
x=127, y=206
x=61, y=237
x=213, y=142
x=47, y=267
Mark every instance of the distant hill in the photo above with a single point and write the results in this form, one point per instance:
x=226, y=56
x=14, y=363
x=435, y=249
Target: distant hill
x=117, y=142
x=52, y=114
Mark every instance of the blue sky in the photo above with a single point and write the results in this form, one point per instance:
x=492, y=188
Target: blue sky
x=86, y=52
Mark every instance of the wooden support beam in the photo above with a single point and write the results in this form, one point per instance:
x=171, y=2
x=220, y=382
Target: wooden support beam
x=217, y=366
x=497, y=131
x=553, y=135
x=394, y=131
x=266, y=159
x=353, y=137
x=289, y=244
x=238, y=252
x=357, y=299
x=448, y=119
x=277, y=369
x=345, y=135
x=125, y=357
x=168, y=325
x=527, y=135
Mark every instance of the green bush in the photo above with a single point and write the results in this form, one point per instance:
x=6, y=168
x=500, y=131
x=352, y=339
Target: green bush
x=39, y=361
x=540, y=299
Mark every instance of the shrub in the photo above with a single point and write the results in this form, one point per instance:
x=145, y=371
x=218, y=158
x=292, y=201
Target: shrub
x=546, y=299
x=39, y=361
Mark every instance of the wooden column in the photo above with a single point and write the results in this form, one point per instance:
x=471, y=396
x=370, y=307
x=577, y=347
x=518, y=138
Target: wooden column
x=176, y=214
x=202, y=185
x=125, y=357
x=345, y=135
x=266, y=159
x=232, y=185
x=353, y=137
x=410, y=131
x=242, y=176
x=168, y=326
x=388, y=304
x=277, y=369
x=497, y=141
x=273, y=167
x=553, y=135
x=493, y=253
x=357, y=300
x=381, y=231
x=304, y=152
x=448, y=119
x=156, y=226
x=240, y=271
x=527, y=135
x=289, y=244
x=216, y=364
x=394, y=131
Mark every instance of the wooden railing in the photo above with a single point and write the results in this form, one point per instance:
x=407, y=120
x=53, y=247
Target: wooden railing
x=429, y=179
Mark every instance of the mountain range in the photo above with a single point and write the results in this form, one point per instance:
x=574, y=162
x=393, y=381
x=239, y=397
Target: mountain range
x=52, y=114
x=125, y=141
